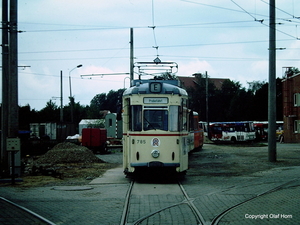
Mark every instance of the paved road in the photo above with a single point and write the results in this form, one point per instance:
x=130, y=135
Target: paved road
x=102, y=201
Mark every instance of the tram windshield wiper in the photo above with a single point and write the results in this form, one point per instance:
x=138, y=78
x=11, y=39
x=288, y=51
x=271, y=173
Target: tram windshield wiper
x=150, y=124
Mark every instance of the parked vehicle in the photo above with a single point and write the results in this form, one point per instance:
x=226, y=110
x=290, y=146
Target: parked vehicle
x=158, y=128
x=95, y=139
x=232, y=131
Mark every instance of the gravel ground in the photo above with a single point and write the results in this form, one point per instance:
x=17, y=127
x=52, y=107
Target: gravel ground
x=214, y=160
x=238, y=160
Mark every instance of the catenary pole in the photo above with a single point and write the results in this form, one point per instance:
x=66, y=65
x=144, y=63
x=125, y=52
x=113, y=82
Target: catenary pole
x=13, y=67
x=131, y=56
x=272, y=85
x=61, y=98
x=5, y=77
x=206, y=100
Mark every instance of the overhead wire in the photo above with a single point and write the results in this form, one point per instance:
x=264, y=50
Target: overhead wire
x=213, y=6
x=178, y=25
x=153, y=30
x=262, y=21
x=140, y=27
x=244, y=10
x=114, y=56
x=164, y=46
x=282, y=10
x=225, y=58
x=289, y=20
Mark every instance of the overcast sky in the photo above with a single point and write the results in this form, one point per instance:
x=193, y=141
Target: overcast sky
x=226, y=38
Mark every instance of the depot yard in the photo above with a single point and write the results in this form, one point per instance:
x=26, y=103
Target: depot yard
x=70, y=164
x=240, y=159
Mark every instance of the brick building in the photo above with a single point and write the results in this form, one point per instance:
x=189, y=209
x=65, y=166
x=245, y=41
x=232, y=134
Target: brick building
x=291, y=107
x=192, y=81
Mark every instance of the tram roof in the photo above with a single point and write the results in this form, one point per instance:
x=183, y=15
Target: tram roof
x=167, y=87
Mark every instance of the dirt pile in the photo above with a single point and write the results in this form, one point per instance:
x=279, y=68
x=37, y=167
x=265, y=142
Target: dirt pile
x=65, y=164
x=68, y=153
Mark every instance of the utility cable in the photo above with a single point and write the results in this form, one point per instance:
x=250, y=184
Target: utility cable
x=261, y=21
x=295, y=17
x=153, y=30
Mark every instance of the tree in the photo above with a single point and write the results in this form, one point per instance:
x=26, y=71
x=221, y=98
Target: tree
x=240, y=108
x=97, y=103
x=27, y=116
x=292, y=71
x=197, y=95
x=255, y=85
x=114, y=99
x=226, y=108
x=50, y=112
x=105, y=101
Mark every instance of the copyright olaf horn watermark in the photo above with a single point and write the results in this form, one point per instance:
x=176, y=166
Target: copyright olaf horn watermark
x=268, y=216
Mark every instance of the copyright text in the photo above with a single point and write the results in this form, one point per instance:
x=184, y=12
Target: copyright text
x=268, y=216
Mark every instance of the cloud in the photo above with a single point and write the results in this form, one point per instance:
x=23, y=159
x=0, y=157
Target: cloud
x=208, y=35
x=194, y=66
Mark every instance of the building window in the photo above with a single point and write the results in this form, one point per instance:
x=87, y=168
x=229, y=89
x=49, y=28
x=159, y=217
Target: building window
x=296, y=126
x=297, y=99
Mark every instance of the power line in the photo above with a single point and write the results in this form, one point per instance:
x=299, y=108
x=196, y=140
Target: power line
x=79, y=29
x=66, y=59
x=226, y=58
x=282, y=10
x=244, y=10
x=261, y=21
x=165, y=46
x=153, y=30
x=139, y=27
x=213, y=6
x=74, y=50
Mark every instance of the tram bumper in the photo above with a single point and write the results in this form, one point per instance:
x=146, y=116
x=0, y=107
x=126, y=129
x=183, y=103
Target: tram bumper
x=155, y=164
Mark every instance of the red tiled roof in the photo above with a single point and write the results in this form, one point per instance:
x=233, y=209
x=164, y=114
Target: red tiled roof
x=191, y=81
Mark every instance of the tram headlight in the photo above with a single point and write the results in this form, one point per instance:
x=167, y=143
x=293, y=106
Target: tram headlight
x=155, y=153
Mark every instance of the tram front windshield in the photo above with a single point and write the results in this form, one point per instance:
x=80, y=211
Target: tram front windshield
x=151, y=118
x=155, y=120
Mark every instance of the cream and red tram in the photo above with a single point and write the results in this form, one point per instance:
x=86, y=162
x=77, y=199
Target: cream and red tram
x=156, y=126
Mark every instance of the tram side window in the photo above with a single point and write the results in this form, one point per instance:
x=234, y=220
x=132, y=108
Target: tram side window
x=136, y=117
x=183, y=116
x=174, y=118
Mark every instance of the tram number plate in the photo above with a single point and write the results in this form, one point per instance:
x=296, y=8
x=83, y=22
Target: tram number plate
x=156, y=164
x=141, y=141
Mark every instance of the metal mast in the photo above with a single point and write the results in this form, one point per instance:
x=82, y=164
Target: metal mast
x=272, y=85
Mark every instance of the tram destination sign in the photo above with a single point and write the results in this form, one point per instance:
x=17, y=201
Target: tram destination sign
x=155, y=100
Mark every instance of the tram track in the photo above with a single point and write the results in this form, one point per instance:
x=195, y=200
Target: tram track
x=23, y=213
x=186, y=200
x=199, y=218
x=218, y=218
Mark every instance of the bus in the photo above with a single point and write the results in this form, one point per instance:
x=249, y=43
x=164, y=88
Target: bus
x=261, y=129
x=232, y=131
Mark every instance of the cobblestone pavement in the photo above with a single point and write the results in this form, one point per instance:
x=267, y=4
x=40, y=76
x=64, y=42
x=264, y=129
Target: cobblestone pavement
x=271, y=198
x=100, y=205
x=159, y=204
x=14, y=215
x=266, y=197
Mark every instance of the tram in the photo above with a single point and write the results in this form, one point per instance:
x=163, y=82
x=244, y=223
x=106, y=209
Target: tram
x=158, y=128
